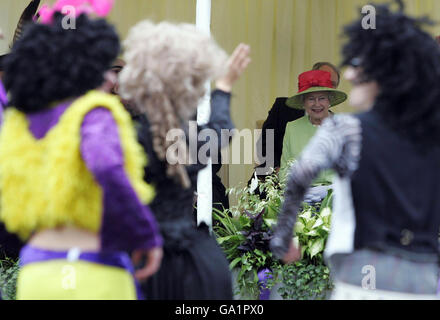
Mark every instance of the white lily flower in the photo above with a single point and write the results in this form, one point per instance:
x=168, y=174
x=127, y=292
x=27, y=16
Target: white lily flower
x=254, y=183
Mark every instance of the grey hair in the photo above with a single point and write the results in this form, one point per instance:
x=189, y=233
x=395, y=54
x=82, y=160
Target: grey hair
x=167, y=68
x=318, y=65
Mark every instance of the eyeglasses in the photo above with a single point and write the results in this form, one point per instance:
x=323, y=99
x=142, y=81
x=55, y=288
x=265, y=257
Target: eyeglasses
x=317, y=99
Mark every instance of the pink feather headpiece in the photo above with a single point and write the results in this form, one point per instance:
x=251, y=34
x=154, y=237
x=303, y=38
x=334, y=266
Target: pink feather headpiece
x=99, y=7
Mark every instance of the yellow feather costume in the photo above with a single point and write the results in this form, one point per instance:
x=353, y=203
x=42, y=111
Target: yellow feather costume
x=45, y=183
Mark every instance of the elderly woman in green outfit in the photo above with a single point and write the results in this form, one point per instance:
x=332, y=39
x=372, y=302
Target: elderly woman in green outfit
x=316, y=96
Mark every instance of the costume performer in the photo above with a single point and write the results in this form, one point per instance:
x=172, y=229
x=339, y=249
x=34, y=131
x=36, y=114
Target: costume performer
x=71, y=168
x=165, y=75
x=383, y=242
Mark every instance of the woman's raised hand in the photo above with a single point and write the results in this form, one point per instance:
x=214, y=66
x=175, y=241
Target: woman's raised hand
x=237, y=63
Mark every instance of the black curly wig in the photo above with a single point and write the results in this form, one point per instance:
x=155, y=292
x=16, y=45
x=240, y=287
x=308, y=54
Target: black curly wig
x=50, y=63
x=405, y=62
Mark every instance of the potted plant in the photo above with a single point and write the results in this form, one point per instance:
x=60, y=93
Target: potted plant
x=244, y=232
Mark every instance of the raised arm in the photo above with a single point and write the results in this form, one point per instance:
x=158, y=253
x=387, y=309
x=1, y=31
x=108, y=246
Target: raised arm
x=220, y=117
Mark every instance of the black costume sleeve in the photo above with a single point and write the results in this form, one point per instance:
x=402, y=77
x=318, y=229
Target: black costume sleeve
x=270, y=123
x=10, y=244
x=220, y=117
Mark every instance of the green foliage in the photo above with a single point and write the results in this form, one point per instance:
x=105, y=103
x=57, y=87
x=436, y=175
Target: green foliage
x=242, y=230
x=8, y=278
x=302, y=281
x=312, y=228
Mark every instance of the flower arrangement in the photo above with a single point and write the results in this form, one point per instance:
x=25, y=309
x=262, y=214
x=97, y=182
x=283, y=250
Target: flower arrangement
x=244, y=232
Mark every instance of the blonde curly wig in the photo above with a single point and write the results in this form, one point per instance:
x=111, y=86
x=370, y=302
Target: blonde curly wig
x=165, y=75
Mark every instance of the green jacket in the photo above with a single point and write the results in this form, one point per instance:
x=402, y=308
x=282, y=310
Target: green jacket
x=297, y=136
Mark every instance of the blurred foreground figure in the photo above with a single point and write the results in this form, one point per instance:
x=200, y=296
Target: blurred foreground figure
x=383, y=242
x=71, y=168
x=165, y=75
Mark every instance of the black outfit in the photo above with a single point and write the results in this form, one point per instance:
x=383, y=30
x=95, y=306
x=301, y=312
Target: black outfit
x=2, y=57
x=278, y=117
x=10, y=244
x=396, y=177
x=220, y=200
x=193, y=266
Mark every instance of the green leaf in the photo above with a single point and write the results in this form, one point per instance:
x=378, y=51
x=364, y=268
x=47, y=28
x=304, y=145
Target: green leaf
x=223, y=239
x=316, y=247
x=312, y=233
x=234, y=263
x=317, y=223
x=327, y=202
x=310, y=223
x=326, y=212
x=307, y=214
x=270, y=222
x=299, y=227
x=303, y=250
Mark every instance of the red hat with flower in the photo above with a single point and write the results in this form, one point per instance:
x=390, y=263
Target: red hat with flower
x=314, y=81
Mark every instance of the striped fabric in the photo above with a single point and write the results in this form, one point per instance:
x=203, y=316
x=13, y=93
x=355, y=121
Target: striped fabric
x=344, y=291
x=387, y=271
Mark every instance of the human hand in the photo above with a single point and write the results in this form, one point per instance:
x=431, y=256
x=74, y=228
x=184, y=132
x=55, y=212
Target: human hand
x=236, y=65
x=293, y=254
x=152, y=262
x=316, y=194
